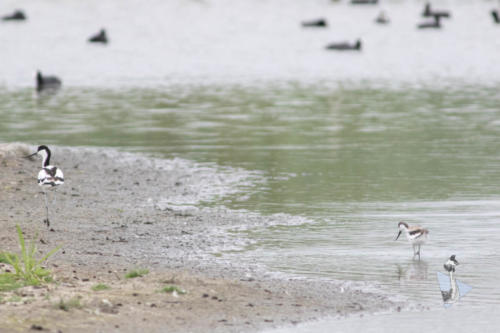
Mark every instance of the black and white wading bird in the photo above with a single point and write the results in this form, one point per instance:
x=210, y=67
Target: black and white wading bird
x=415, y=235
x=451, y=264
x=47, y=83
x=49, y=177
x=452, y=294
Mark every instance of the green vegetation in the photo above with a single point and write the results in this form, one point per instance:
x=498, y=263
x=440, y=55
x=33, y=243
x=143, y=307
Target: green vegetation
x=70, y=304
x=9, y=282
x=3, y=257
x=100, y=286
x=172, y=289
x=14, y=299
x=28, y=270
x=136, y=273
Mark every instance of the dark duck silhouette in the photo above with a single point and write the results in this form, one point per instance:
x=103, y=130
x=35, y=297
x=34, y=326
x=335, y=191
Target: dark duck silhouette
x=496, y=18
x=428, y=12
x=434, y=24
x=345, y=46
x=101, y=37
x=364, y=2
x=47, y=82
x=319, y=23
x=18, y=15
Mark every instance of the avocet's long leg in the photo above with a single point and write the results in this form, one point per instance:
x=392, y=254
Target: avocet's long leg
x=419, y=251
x=414, y=253
x=55, y=196
x=47, y=222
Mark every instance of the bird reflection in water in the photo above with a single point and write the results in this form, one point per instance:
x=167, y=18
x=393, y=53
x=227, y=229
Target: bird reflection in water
x=413, y=271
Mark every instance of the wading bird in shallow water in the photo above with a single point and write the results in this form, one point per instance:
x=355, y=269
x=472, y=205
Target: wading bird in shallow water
x=415, y=235
x=452, y=293
x=49, y=177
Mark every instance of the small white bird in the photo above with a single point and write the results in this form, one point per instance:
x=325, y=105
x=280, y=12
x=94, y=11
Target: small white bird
x=451, y=264
x=49, y=177
x=415, y=235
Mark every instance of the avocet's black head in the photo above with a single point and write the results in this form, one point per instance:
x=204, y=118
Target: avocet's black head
x=43, y=147
x=452, y=258
x=401, y=226
x=45, y=151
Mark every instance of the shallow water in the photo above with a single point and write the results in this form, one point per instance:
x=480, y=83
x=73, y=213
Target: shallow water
x=351, y=143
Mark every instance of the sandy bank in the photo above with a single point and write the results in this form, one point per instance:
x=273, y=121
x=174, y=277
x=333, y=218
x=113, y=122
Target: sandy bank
x=119, y=211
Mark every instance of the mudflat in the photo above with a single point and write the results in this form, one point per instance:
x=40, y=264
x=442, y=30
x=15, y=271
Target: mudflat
x=118, y=212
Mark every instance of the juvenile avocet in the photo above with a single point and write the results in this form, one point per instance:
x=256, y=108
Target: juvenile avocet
x=415, y=235
x=451, y=264
x=49, y=177
x=452, y=294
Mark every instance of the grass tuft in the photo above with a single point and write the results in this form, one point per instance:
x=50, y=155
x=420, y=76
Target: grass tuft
x=14, y=299
x=136, y=273
x=28, y=270
x=3, y=257
x=100, y=286
x=172, y=289
x=8, y=282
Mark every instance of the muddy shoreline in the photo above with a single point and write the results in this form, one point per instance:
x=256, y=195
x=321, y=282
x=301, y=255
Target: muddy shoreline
x=120, y=211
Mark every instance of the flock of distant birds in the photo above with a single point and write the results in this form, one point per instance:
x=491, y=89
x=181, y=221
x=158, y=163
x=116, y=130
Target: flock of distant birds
x=434, y=23
x=52, y=83
x=48, y=83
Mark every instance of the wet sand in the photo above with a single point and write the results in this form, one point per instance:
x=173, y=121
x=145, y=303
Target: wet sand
x=121, y=211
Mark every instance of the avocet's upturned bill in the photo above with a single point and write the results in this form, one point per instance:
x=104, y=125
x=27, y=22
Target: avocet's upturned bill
x=415, y=235
x=49, y=177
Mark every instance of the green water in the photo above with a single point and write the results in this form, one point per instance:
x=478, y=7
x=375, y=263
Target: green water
x=353, y=160
x=316, y=144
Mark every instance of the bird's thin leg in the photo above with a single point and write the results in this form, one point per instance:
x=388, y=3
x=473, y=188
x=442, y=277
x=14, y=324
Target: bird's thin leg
x=419, y=251
x=55, y=196
x=47, y=222
x=414, y=254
